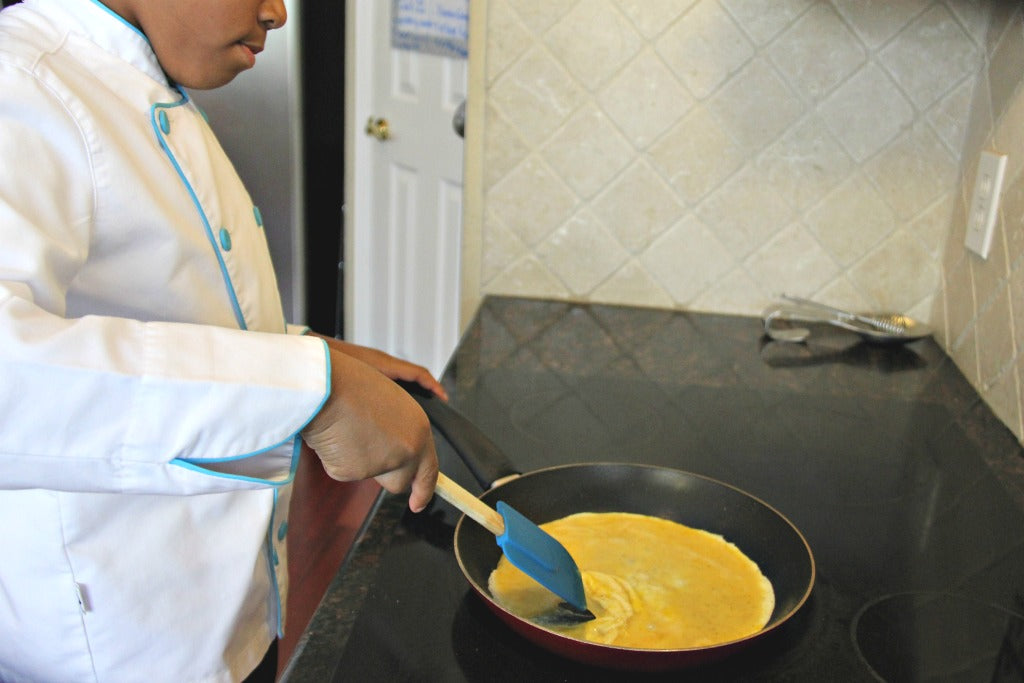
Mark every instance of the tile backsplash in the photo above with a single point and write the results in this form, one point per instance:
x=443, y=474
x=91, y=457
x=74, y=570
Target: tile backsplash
x=981, y=308
x=710, y=154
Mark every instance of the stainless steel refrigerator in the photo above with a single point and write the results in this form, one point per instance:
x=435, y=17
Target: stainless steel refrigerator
x=282, y=125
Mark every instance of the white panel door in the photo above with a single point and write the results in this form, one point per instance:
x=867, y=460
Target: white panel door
x=403, y=213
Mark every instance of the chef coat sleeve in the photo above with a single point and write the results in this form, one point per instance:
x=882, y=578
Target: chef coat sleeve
x=107, y=404
x=114, y=405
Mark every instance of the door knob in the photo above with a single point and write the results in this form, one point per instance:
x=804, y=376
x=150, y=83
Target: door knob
x=378, y=128
x=459, y=120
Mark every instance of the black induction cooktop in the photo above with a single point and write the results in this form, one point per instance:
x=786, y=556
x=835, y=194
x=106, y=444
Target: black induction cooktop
x=906, y=487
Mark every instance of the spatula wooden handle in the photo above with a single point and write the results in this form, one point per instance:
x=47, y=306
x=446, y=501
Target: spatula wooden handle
x=472, y=506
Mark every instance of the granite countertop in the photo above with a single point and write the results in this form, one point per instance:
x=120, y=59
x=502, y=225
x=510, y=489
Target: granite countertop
x=794, y=424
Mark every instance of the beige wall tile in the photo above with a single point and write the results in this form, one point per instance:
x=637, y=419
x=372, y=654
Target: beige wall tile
x=645, y=99
x=805, y=163
x=756, y=106
x=914, y=171
x=995, y=336
x=532, y=201
x=507, y=39
x=588, y=151
x=841, y=292
x=585, y=234
x=950, y=115
x=634, y=285
x=867, y=112
x=504, y=145
x=528, y=277
x=638, y=206
x=931, y=227
x=731, y=294
x=1003, y=395
x=704, y=48
x=651, y=17
x=929, y=54
x=979, y=127
x=959, y=295
x=876, y=21
x=611, y=41
x=1012, y=220
x=896, y=274
x=745, y=212
x=817, y=52
x=538, y=15
x=536, y=94
x=851, y=220
x=501, y=248
x=977, y=15
x=696, y=155
x=1016, y=289
x=1006, y=64
x=791, y=261
x=1007, y=136
x=764, y=21
x=682, y=271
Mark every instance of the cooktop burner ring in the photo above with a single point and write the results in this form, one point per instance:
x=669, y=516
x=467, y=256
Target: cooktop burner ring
x=936, y=636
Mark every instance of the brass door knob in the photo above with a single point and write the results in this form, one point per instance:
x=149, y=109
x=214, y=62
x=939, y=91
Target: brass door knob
x=378, y=128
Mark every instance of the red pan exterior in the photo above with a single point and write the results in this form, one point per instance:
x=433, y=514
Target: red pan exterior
x=760, y=531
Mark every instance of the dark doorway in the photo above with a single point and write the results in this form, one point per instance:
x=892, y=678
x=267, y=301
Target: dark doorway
x=322, y=32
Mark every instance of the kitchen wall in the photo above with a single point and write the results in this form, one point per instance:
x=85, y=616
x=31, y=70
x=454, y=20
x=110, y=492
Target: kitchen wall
x=709, y=154
x=981, y=308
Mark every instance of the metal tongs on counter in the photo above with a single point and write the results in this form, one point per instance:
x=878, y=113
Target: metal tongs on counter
x=880, y=328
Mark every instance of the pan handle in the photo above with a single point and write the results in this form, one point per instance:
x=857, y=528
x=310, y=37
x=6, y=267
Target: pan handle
x=485, y=460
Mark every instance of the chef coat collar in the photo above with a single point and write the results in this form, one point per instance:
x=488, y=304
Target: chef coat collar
x=101, y=25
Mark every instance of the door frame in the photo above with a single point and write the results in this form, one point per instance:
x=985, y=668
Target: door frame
x=358, y=187
x=470, y=286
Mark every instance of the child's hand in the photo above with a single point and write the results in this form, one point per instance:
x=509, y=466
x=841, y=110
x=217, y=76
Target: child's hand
x=370, y=427
x=392, y=367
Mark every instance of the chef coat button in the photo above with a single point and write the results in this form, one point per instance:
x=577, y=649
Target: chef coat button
x=275, y=557
x=165, y=123
x=257, y=215
x=225, y=239
x=282, y=530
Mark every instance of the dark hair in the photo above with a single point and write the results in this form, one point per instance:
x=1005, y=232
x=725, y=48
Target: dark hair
x=8, y=3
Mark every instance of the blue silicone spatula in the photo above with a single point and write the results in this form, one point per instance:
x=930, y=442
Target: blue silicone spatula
x=534, y=551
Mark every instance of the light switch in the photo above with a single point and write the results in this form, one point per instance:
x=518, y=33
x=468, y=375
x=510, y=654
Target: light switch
x=984, y=207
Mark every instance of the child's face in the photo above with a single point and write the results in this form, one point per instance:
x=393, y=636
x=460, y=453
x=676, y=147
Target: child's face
x=203, y=44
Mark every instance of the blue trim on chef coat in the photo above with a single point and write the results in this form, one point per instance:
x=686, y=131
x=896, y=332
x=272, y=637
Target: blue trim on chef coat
x=272, y=563
x=119, y=18
x=196, y=464
x=158, y=115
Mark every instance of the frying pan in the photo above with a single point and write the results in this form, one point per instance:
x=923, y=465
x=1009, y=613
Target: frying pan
x=760, y=531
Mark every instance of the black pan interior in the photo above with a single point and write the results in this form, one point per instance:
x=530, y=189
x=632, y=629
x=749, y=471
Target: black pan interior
x=759, y=531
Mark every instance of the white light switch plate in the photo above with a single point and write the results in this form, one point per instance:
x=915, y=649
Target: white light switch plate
x=984, y=206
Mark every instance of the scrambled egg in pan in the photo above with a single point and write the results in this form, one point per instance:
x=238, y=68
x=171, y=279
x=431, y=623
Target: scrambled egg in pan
x=652, y=583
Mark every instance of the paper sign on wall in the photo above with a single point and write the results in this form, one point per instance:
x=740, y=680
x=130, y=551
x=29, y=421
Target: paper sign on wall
x=438, y=27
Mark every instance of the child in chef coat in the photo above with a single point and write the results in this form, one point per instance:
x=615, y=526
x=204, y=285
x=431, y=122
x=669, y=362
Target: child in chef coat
x=153, y=400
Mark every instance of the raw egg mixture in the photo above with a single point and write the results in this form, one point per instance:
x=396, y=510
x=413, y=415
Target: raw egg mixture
x=652, y=583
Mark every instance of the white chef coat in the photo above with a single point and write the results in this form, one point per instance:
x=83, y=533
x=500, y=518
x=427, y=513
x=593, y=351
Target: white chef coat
x=150, y=401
